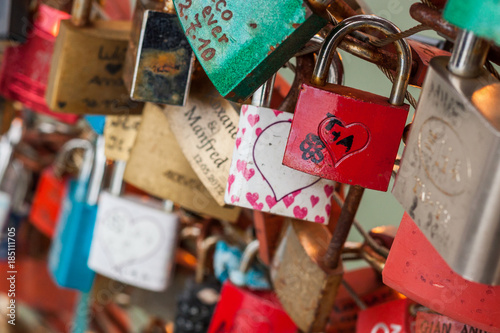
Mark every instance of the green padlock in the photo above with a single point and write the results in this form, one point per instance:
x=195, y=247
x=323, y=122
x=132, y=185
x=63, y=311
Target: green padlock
x=480, y=17
x=241, y=44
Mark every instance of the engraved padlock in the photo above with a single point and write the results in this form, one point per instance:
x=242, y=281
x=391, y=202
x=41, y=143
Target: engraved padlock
x=428, y=322
x=119, y=135
x=159, y=58
x=87, y=67
x=447, y=179
x=344, y=134
x=242, y=44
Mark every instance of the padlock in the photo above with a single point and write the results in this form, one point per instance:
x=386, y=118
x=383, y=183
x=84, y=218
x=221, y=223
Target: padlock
x=428, y=322
x=25, y=68
x=480, y=18
x=245, y=310
x=257, y=178
x=119, y=134
x=242, y=44
x=87, y=67
x=51, y=190
x=159, y=59
x=206, y=130
x=393, y=316
x=14, y=19
x=415, y=269
x=134, y=241
x=445, y=183
x=70, y=247
x=162, y=170
x=422, y=54
x=345, y=134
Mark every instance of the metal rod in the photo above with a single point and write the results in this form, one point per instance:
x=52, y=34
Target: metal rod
x=351, y=204
x=469, y=55
x=98, y=172
x=359, y=302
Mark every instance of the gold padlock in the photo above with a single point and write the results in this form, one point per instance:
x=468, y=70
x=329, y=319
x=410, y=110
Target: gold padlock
x=158, y=166
x=86, y=71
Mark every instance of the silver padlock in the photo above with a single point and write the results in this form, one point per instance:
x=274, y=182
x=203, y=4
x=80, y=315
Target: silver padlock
x=449, y=180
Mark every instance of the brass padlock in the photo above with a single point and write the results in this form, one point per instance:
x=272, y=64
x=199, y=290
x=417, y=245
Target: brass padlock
x=158, y=166
x=159, y=59
x=87, y=66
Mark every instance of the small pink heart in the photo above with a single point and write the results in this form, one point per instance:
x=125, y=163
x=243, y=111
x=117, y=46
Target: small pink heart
x=328, y=208
x=238, y=142
x=277, y=113
x=230, y=182
x=241, y=165
x=328, y=190
x=252, y=197
x=234, y=199
x=319, y=219
x=271, y=201
x=314, y=200
x=288, y=200
x=248, y=173
x=299, y=212
x=244, y=109
x=258, y=131
x=243, y=131
x=253, y=119
x=296, y=193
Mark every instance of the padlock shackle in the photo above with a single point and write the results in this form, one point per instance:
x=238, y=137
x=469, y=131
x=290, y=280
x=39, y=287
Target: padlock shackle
x=249, y=255
x=80, y=12
x=351, y=24
x=7, y=143
x=336, y=69
x=66, y=149
x=469, y=55
x=99, y=167
x=116, y=183
x=262, y=96
x=206, y=245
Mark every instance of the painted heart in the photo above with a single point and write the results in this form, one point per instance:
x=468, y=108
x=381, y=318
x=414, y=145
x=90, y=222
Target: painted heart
x=314, y=200
x=238, y=143
x=288, y=200
x=241, y=165
x=234, y=199
x=129, y=240
x=296, y=193
x=243, y=130
x=253, y=119
x=277, y=113
x=252, y=199
x=271, y=201
x=113, y=68
x=328, y=190
x=268, y=153
x=244, y=109
x=300, y=212
x=328, y=208
x=258, y=131
x=230, y=181
x=248, y=173
x=319, y=219
x=343, y=141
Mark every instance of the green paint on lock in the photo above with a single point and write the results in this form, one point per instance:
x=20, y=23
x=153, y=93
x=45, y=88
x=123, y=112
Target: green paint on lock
x=480, y=17
x=240, y=44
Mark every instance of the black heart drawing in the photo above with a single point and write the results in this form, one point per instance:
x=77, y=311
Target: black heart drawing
x=113, y=68
x=61, y=104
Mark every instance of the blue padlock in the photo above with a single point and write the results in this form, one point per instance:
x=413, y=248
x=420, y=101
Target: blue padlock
x=96, y=122
x=71, y=245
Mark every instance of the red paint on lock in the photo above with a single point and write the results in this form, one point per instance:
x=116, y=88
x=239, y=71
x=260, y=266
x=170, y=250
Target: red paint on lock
x=347, y=135
x=25, y=68
x=389, y=317
x=47, y=202
x=415, y=269
x=422, y=54
x=244, y=311
x=436, y=323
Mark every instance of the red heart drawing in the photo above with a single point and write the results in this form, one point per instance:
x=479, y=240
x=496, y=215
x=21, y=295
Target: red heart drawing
x=230, y=182
x=277, y=113
x=319, y=219
x=299, y=212
x=271, y=201
x=343, y=141
x=234, y=199
x=243, y=131
x=241, y=165
x=252, y=199
x=288, y=200
x=296, y=193
x=328, y=190
x=238, y=142
x=314, y=200
x=248, y=173
x=258, y=131
x=244, y=109
x=328, y=208
x=253, y=119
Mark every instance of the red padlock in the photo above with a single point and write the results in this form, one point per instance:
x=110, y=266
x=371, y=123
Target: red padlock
x=394, y=316
x=415, y=269
x=47, y=202
x=25, y=68
x=345, y=134
x=436, y=323
x=244, y=311
x=422, y=54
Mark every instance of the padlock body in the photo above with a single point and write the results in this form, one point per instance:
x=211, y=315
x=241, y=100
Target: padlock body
x=14, y=16
x=244, y=311
x=432, y=322
x=133, y=243
x=448, y=177
x=70, y=247
x=87, y=67
x=393, y=316
x=25, y=68
x=346, y=135
x=242, y=44
x=47, y=202
x=159, y=59
x=422, y=54
x=415, y=269
x=257, y=178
